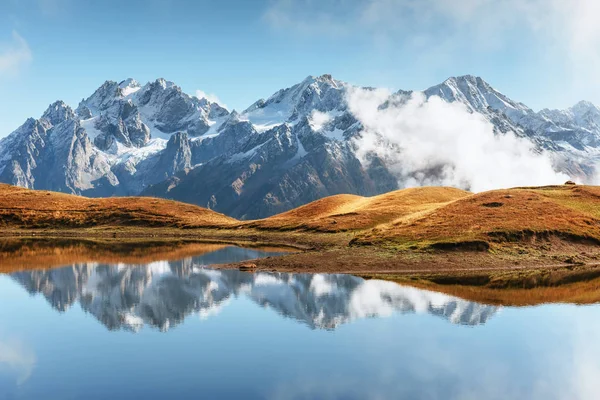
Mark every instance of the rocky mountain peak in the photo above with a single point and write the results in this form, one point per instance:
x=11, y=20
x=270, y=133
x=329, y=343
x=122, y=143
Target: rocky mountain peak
x=58, y=112
x=101, y=99
x=584, y=107
x=478, y=96
x=129, y=82
x=164, y=84
x=321, y=93
x=128, y=86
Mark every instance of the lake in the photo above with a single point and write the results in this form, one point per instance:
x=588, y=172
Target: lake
x=180, y=330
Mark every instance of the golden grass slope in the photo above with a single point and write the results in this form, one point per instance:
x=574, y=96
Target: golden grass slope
x=417, y=218
x=26, y=208
x=511, y=215
x=349, y=212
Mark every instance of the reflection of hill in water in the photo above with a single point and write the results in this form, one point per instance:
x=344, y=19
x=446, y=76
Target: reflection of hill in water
x=162, y=294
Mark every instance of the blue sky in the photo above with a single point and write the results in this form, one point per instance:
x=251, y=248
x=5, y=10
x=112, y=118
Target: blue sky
x=543, y=53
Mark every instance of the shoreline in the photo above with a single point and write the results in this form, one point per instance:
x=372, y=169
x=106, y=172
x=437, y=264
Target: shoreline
x=497, y=279
x=502, y=240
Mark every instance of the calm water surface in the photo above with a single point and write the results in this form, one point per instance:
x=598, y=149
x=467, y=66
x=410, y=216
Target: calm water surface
x=181, y=330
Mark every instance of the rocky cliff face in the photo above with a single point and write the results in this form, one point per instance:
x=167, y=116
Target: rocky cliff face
x=53, y=153
x=292, y=148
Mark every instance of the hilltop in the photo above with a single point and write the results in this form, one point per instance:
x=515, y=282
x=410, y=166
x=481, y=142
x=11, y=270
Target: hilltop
x=350, y=213
x=520, y=215
x=31, y=209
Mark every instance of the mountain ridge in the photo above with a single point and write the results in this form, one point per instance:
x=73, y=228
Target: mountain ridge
x=294, y=147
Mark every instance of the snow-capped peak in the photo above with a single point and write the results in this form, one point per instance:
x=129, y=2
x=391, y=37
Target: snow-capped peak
x=322, y=93
x=129, y=82
x=129, y=86
x=584, y=107
x=478, y=95
x=58, y=112
x=165, y=84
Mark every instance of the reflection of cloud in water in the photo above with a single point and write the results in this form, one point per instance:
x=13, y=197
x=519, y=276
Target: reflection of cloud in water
x=429, y=365
x=163, y=294
x=585, y=362
x=18, y=358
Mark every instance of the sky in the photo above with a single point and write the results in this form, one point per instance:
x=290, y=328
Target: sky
x=544, y=53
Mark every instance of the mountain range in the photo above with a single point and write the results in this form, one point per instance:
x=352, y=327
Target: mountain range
x=293, y=148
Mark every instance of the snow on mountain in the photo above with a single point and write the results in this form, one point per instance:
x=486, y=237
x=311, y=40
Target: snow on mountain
x=292, y=148
x=478, y=96
x=579, y=126
x=321, y=93
x=118, y=139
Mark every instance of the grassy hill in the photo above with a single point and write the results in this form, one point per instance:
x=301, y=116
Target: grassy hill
x=24, y=208
x=407, y=231
x=502, y=243
x=350, y=213
x=426, y=218
x=520, y=215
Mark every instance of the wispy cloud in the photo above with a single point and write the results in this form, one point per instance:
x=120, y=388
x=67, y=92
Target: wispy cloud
x=568, y=30
x=14, y=55
x=52, y=8
x=210, y=97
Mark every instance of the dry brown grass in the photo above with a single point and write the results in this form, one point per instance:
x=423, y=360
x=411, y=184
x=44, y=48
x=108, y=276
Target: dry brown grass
x=26, y=208
x=526, y=215
x=349, y=212
x=406, y=220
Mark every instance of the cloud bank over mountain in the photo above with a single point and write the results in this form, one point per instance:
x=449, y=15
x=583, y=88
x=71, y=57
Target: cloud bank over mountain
x=433, y=142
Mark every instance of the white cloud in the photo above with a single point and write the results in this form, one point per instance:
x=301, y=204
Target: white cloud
x=433, y=142
x=210, y=97
x=319, y=119
x=14, y=55
x=584, y=368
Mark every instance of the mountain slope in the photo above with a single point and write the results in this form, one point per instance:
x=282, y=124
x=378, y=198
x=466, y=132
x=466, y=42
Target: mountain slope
x=118, y=141
x=519, y=215
x=283, y=158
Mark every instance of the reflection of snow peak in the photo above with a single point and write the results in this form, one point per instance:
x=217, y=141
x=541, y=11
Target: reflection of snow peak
x=382, y=298
x=163, y=294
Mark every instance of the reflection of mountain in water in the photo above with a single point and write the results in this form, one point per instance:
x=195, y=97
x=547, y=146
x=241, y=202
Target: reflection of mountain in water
x=162, y=294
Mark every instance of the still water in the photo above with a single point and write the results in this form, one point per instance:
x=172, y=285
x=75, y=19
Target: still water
x=180, y=330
